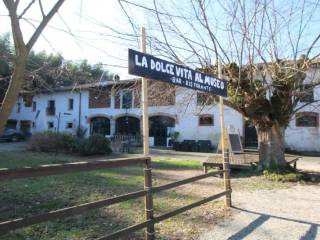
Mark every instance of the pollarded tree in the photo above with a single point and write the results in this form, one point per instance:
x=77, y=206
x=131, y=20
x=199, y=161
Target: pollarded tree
x=269, y=101
x=266, y=49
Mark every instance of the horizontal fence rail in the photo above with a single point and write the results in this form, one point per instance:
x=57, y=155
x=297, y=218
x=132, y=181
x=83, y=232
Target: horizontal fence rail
x=186, y=181
x=78, y=209
x=56, y=169
x=67, y=212
x=163, y=217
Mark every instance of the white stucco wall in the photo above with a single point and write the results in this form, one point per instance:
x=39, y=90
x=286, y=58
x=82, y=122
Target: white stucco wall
x=185, y=111
x=188, y=118
x=305, y=138
x=41, y=121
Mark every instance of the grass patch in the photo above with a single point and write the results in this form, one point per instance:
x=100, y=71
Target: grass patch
x=32, y=159
x=167, y=163
x=26, y=197
x=284, y=176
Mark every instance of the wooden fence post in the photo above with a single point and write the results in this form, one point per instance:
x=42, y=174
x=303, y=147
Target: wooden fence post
x=150, y=233
x=226, y=177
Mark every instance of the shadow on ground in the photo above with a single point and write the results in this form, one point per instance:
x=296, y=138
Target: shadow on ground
x=311, y=176
x=245, y=173
x=310, y=234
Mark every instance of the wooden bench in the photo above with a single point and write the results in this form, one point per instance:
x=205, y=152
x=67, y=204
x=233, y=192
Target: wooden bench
x=241, y=161
x=207, y=165
x=237, y=161
x=294, y=162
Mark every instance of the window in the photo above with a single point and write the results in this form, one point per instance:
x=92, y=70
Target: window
x=51, y=110
x=18, y=107
x=69, y=125
x=307, y=119
x=99, y=98
x=307, y=93
x=34, y=106
x=27, y=99
x=51, y=104
x=206, y=120
x=50, y=125
x=70, y=104
x=127, y=99
x=117, y=100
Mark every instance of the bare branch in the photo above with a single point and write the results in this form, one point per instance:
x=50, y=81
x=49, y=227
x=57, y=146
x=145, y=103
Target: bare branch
x=43, y=24
x=26, y=9
x=41, y=9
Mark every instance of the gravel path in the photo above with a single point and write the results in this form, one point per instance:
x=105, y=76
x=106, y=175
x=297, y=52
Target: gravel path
x=13, y=146
x=309, y=163
x=291, y=214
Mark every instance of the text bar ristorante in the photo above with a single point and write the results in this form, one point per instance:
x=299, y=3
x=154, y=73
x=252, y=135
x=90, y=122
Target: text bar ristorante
x=145, y=65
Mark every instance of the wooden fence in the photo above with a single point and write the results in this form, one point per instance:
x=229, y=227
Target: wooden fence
x=147, y=192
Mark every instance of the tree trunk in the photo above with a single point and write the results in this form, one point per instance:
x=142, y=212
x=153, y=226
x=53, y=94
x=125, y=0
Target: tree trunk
x=13, y=90
x=271, y=148
x=21, y=51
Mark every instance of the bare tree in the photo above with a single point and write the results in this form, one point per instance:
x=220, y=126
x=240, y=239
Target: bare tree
x=22, y=49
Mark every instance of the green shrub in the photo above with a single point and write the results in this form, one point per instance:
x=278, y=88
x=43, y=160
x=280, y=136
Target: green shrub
x=95, y=144
x=65, y=142
x=80, y=145
x=43, y=142
x=81, y=132
x=51, y=141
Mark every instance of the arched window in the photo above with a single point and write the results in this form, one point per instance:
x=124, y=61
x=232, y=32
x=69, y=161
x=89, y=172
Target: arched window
x=100, y=125
x=307, y=119
x=206, y=120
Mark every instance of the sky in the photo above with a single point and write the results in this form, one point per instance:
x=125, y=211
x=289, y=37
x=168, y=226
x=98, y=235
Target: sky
x=74, y=34
x=100, y=31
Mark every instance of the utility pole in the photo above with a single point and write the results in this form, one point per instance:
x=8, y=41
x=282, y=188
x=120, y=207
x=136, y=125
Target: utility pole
x=144, y=90
x=224, y=149
x=150, y=232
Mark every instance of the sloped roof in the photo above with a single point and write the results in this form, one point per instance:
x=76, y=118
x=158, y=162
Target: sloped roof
x=78, y=87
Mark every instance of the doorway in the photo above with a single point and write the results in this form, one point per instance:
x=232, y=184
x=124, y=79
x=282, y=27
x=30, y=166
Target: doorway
x=128, y=126
x=100, y=125
x=250, y=135
x=12, y=124
x=160, y=127
x=25, y=126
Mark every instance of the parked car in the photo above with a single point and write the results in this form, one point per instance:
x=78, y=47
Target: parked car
x=12, y=135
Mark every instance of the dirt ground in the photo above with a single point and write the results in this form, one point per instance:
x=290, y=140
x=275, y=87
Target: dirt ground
x=292, y=213
x=309, y=163
x=289, y=213
x=262, y=209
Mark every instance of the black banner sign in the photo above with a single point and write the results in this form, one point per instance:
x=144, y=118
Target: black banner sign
x=145, y=65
